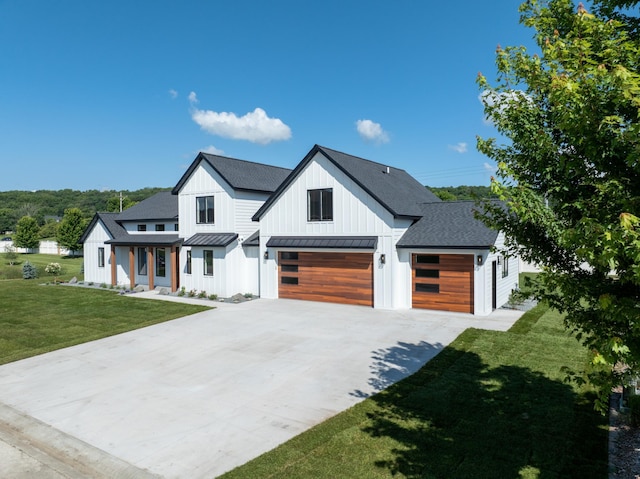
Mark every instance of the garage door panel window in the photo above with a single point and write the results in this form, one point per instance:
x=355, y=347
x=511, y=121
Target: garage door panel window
x=427, y=259
x=320, y=205
x=427, y=288
x=427, y=273
x=289, y=268
x=289, y=280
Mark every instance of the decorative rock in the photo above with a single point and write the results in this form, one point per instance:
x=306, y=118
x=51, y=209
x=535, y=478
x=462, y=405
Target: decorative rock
x=163, y=291
x=139, y=288
x=73, y=280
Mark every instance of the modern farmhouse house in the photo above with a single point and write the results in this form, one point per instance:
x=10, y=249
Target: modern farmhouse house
x=337, y=228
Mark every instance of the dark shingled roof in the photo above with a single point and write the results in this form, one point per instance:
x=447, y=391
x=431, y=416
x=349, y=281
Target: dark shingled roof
x=393, y=188
x=109, y=221
x=211, y=239
x=146, y=240
x=240, y=174
x=253, y=240
x=448, y=224
x=161, y=206
x=350, y=242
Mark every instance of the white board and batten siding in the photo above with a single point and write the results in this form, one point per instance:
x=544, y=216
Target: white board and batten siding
x=95, y=240
x=235, y=268
x=504, y=285
x=355, y=213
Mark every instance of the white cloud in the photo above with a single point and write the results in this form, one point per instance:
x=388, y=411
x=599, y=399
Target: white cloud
x=488, y=167
x=371, y=131
x=460, y=147
x=213, y=150
x=254, y=126
x=173, y=94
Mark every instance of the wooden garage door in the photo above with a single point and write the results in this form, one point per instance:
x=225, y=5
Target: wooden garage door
x=328, y=277
x=443, y=282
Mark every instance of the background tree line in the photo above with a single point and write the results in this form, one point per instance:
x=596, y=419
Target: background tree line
x=41, y=204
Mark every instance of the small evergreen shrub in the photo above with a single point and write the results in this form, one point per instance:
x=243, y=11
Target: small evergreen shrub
x=213, y=297
x=248, y=295
x=182, y=291
x=103, y=285
x=29, y=271
x=202, y=294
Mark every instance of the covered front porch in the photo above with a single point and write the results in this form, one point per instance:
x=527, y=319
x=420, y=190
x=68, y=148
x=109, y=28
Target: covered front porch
x=147, y=259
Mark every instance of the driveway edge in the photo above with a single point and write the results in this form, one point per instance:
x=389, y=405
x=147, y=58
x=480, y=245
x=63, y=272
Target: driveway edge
x=55, y=450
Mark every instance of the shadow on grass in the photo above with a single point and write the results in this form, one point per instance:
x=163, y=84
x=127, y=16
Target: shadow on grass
x=459, y=418
x=396, y=363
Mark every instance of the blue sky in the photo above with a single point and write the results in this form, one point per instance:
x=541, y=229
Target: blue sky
x=123, y=94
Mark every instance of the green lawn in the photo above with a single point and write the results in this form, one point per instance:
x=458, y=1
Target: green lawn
x=70, y=266
x=491, y=405
x=35, y=319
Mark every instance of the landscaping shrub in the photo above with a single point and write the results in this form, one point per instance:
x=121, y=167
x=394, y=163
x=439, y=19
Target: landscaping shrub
x=29, y=271
x=213, y=297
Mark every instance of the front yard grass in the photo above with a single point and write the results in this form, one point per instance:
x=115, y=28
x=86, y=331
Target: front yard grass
x=35, y=319
x=490, y=405
x=70, y=266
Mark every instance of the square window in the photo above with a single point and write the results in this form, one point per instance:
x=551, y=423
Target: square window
x=208, y=262
x=320, y=205
x=204, y=210
x=159, y=227
x=142, y=227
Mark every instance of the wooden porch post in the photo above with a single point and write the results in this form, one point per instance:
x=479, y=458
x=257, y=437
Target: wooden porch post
x=132, y=267
x=174, y=269
x=150, y=265
x=114, y=268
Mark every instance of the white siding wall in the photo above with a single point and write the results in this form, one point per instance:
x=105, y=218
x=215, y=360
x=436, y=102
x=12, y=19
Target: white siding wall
x=246, y=205
x=95, y=240
x=355, y=213
x=132, y=227
x=235, y=270
x=206, y=182
x=484, y=284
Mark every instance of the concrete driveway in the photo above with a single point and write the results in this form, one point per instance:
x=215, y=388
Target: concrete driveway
x=199, y=395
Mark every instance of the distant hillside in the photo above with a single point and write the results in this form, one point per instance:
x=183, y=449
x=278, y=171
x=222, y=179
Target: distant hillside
x=458, y=193
x=52, y=203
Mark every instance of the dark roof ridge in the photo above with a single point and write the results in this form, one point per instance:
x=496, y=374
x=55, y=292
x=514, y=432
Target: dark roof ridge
x=243, y=161
x=383, y=165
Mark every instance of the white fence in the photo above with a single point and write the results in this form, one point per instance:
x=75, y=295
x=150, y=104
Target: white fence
x=46, y=247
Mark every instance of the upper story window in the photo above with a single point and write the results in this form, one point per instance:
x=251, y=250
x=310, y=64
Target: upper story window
x=175, y=227
x=159, y=227
x=204, y=210
x=320, y=205
x=142, y=227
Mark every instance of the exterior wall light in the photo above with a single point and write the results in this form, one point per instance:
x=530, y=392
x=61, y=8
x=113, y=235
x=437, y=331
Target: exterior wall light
x=499, y=259
x=383, y=258
x=479, y=259
x=266, y=254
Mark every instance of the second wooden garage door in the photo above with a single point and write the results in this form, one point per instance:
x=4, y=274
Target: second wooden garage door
x=329, y=277
x=443, y=282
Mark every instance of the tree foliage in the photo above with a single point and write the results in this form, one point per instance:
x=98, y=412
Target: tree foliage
x=71, y=228
x=27, y=233
x=460, y=193
x=41, y=203
x=569, y=172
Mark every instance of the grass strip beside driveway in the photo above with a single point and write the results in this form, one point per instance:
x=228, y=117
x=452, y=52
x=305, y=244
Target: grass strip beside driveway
x=35, y=319
x=492, y=404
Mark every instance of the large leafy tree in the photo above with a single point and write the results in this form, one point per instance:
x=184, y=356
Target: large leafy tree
x=569, y=171
x=27, y=233
x=71, y=228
